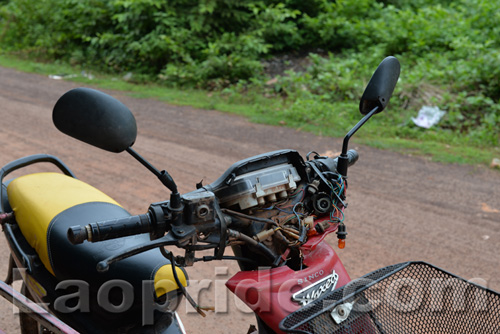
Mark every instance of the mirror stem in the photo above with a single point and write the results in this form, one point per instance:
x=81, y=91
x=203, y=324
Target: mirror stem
x=343, y=161
x=164, y=177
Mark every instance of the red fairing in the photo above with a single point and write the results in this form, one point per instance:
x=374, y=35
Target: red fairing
x=269, y=292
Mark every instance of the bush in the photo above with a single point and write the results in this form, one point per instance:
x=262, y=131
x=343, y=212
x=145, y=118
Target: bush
x=449, y=49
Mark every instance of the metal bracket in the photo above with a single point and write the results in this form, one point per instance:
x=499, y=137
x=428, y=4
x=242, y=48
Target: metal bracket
x=341, y=312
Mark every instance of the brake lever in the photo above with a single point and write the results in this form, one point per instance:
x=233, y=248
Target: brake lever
x=167, y=240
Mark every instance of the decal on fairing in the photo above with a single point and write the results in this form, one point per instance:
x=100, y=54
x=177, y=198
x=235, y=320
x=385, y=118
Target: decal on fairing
x=316, y=290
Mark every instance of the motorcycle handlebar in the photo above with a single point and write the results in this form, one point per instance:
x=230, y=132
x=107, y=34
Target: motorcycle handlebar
x=331, y=164
x=132, y=225
x=110, y=229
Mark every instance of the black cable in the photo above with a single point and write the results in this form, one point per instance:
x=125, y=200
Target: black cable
x=170, y=256
x=316, y=154
x=302, y=228
x=242, y=215
x=226, y=257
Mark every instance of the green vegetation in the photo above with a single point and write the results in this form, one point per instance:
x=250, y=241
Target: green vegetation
x=299, y=63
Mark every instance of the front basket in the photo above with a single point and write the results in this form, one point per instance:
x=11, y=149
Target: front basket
x=411, y=297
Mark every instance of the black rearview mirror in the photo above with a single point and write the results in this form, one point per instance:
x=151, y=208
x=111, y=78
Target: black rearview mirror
x=381, y=86
x=96, y=119
x=374, y=100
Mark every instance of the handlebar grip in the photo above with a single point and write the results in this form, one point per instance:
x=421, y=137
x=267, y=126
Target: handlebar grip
x=110, y=229
x=352, y=156
x=346, y=160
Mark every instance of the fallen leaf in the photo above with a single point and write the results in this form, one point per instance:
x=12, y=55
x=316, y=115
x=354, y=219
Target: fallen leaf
x=486, y=208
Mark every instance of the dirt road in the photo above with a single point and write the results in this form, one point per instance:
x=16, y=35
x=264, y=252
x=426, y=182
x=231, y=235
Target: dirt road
x=400, y=208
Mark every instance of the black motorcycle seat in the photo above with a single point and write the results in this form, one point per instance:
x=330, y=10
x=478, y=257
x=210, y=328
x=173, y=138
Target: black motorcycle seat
x=47, y=204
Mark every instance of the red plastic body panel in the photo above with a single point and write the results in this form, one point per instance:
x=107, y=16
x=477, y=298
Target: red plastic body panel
x=268, y=292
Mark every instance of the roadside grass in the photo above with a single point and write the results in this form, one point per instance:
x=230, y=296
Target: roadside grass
x=438, y=146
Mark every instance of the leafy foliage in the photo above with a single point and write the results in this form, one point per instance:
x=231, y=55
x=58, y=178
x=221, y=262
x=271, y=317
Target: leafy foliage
x=449, y=50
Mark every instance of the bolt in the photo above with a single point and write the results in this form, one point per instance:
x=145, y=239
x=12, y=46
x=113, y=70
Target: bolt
x=341, y=311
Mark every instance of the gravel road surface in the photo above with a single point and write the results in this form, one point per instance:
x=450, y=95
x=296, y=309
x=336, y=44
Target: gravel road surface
x=401, y=208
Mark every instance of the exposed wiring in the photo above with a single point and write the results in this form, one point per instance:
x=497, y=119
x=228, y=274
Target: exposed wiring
x=301, y=190
x=242, y=215
x=281, y=206
x=302, y=227
x=257, y=245
x=334, y=215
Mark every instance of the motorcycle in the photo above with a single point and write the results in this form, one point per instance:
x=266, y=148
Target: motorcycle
x=98, y=269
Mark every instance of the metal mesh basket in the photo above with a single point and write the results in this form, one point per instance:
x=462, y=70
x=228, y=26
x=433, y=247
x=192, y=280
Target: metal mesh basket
x=411, y=297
